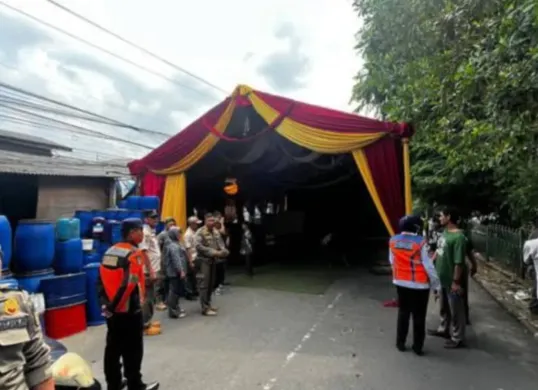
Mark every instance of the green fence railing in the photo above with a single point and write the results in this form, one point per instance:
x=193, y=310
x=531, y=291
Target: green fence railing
x=500, y=244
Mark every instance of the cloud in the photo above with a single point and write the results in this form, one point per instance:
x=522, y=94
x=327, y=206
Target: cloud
x=285, y=69
x=38, y=63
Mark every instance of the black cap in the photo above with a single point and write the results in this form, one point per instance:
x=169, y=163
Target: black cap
x=151, y=214
x=130, y=224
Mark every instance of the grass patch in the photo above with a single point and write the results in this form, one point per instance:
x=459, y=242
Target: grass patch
x=306, y=279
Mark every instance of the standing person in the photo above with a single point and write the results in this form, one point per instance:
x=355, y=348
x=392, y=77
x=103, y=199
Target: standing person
x=194, y=265
x=246, y=249
x=25, y=357
x=121, y=290
x=451, y=268
x=176, y=271
x=210, y=247
x=530, y=258
x=162, y=237
x=413, y=275
x=220, y=266
x=163, y=240
x=153, y=275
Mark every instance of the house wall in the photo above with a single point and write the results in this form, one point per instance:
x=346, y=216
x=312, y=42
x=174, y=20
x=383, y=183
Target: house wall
x=60, y=196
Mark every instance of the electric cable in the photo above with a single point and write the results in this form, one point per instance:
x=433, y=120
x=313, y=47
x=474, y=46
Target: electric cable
x=102, y=49
x=124, y=40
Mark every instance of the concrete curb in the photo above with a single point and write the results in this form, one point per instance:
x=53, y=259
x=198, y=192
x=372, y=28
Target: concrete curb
x=526, y=323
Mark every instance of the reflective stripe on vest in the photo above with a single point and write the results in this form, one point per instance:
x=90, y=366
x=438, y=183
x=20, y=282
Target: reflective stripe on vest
x=407, y=262
x=118, y=260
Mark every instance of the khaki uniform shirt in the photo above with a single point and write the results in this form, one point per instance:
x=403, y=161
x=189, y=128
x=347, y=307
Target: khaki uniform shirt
x=151, y=246
x=25, y=360
x=208, y=243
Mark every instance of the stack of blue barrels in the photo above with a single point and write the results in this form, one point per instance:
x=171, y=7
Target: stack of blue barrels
x=67, y=287
x=5, y=246
x=34, y=247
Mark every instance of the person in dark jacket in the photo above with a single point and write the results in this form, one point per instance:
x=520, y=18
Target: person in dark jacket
x=175, y=263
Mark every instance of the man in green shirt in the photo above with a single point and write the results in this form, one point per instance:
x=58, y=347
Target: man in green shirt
x=451, y=268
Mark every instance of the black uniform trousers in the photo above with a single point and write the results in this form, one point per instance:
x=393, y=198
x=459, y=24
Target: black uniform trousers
x=412, y=303
x=124, y=340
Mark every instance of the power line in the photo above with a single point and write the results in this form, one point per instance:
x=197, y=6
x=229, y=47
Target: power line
x=124, y=40
x=102, y=49
x=80, y=129
x=108, y=104
x=52, y=101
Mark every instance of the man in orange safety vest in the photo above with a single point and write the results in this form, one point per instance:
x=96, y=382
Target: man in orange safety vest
x=413, y=275
x=121, y=290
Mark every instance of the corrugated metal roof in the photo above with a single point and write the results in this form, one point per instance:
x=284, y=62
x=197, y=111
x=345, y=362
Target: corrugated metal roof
x=6, y=135
x=21, y=163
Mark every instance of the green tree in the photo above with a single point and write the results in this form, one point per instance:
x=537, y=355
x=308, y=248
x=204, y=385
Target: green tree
x=465, y=73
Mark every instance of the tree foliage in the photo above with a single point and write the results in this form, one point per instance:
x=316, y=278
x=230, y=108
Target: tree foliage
x=465, y=73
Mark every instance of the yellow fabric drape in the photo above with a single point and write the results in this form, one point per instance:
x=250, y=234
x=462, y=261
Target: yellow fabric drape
x=407, y=177
x=362, y=163
x=312, y=138
x=203, y=147
x=175, y=199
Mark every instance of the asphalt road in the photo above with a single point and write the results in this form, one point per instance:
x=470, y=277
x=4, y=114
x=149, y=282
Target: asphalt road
x=343, y=339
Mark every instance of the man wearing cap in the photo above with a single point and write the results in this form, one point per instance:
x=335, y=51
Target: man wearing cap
x=121, y=290
x=413, y=274
x=150, y=247
x=209, y=247
x=190, y=244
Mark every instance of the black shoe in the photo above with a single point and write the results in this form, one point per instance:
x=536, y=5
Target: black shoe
x=149, y=386
x=436, y=333
x=451, y=344
x=401, y=347
x=418, y=351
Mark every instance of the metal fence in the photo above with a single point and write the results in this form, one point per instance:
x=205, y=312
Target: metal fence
x=500, y=244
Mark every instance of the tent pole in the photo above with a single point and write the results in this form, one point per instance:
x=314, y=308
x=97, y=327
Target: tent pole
x=407, y=177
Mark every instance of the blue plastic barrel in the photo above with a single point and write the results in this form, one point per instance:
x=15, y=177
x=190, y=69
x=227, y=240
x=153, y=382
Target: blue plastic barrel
x=93, y=306
x=91, y=257
x=31, y=282
x=111, y=214
x=63, y=229
x=85, y=218
x=64, y=290
x=99, y=214
x=136, y=214
x=103, y=247
x=113, y=232
x=160, y=227
x=68, y=258
x=122, y=214
x=133, y=202
x=149, y=203
x=9, y=283
x=5, y=241
x=34, y=245
x=74, y=224
x=98, y=228
x=122, y=204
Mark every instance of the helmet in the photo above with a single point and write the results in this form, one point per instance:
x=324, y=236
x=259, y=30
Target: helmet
x=129, y=224
x=410, y=224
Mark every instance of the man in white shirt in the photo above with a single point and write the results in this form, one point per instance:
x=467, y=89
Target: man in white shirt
x=190, y=244
x=153, y=274
x=530, y=258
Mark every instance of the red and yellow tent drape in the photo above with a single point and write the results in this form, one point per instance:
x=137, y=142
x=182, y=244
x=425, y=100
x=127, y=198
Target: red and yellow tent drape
x=376, y=147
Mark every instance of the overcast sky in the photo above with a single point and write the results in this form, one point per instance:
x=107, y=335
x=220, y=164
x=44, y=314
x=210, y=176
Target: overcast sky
x=302, y=49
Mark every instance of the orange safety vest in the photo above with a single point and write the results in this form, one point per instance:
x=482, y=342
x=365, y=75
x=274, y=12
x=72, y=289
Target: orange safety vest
x=407, y=263
x=121, y=271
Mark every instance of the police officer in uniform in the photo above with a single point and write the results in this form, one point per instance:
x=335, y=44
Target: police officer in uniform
x=413, y=275
x=25, y=361
x=121, y=288
x=210, y=248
